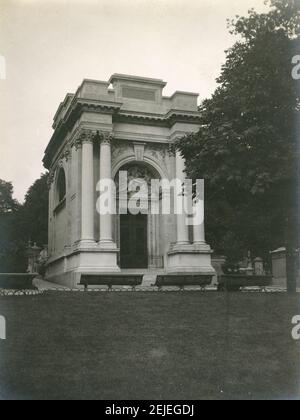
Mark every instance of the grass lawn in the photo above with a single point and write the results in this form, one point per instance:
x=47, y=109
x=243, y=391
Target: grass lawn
x=182, y=346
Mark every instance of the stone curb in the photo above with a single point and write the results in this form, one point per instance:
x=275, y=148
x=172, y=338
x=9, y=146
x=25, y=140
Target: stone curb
x=7, y=292
x=4, y=292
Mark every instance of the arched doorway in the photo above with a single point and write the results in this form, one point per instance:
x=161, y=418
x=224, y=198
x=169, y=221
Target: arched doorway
x=134, y=241
x=137, y=234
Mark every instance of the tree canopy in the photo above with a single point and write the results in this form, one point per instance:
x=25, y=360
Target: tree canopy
x=21, y=223
x=247, y=148
x=34, y=212
x=7, y=203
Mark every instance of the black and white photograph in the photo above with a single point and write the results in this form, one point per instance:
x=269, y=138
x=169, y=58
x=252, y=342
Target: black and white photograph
x=149, y=203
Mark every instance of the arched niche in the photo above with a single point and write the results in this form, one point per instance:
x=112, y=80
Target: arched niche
x=61, y=186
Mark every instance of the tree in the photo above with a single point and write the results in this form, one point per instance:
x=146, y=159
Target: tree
x=247, y=148
x=7, y=203
x=21, y=223
x=33, y=218
x=12, y=250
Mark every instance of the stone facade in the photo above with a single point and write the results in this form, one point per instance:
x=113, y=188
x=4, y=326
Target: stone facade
x=125, y=123
x=279, y=268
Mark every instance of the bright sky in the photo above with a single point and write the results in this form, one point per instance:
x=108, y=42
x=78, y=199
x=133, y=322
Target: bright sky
x=50, y=46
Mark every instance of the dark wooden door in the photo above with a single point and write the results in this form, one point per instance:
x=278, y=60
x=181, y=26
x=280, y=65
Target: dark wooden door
x=134, y=249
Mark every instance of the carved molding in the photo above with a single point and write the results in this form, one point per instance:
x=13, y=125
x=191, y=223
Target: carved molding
x=87, y=136
x=135, y=172
x=123, y=150
x=136, y=175
x=50, y=179
x=91, y=136
x=67, y=154
x=120, y=147
x=105, y=137
x=158, y=151
x=84, y=136
x=139, y=150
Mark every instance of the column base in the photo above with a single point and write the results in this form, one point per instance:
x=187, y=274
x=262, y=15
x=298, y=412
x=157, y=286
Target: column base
x=108, y=255
x=86, y=244
x=202, y=246
x=188, y=247
x=105, y=245
x=191, y=258
x=98, y=261
x=182, y=243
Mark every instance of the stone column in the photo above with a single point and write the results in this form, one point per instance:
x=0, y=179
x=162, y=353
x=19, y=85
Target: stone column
x=106, y=233
x=77, y=183
x=199, y=229
x=87, y=196
x=51, y=215
x=69, y=184
x=199, y=234
x=182, y=227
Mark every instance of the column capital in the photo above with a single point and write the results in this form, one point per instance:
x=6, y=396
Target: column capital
x=50, y=179
x=66, y=154
x=179, y=155
x=87, y=136
x=106, y=137
x=84, y=136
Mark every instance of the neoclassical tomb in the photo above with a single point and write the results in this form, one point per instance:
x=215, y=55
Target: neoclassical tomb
x=123, y=125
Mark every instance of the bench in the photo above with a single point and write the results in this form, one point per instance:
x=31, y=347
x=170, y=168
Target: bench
x=110, y=280
x=182, y=280
x=236, y=282
x=17, y=281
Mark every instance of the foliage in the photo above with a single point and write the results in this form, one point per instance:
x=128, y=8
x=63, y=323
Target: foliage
x=11, y=248
x=34, y=212
x=7, y=203
x=21, y=223
x=247, y=148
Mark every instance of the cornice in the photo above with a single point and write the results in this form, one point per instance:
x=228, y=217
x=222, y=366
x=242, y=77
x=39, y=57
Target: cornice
x=167, y=120
x=117, y=77
x=77, y=107
x=108, y=106
x=80, y=105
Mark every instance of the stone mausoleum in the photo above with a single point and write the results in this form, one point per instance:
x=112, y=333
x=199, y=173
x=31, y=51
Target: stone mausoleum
x=124, y=124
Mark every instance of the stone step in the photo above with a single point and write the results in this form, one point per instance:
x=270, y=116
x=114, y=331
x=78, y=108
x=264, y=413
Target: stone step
x=149, y=280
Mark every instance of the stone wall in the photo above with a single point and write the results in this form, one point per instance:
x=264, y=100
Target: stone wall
x=279, y=268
